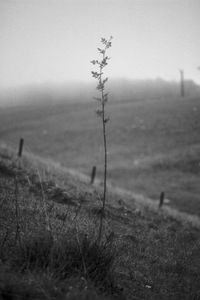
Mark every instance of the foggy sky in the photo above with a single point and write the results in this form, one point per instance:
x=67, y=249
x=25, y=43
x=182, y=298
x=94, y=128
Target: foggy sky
x=55, y=40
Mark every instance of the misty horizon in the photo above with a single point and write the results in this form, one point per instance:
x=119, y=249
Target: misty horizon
x=119, y=89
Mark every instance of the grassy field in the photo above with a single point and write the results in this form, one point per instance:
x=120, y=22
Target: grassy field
x=49, y=226
x=154, y=145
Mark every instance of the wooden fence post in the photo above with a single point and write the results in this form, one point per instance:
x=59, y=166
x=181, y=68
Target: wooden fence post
x=21, y=143
x=93, y=174
x=162, y=198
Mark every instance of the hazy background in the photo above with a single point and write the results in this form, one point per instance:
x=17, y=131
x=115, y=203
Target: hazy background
x=153, y=135
x=53, y=41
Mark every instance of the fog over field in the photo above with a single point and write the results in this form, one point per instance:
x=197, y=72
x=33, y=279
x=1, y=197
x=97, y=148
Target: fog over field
x=119, y=90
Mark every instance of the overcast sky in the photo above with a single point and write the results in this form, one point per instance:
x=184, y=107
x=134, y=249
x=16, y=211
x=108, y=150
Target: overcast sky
x=55, y=40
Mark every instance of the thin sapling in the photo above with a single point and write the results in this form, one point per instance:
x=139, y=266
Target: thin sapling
x=102, y=100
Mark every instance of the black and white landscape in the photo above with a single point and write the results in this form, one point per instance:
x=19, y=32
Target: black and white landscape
x=57, y=240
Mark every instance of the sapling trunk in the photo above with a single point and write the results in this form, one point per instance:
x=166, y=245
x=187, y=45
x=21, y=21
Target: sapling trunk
x=102, y=114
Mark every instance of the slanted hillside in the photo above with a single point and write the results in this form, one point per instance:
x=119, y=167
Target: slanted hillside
x=49, y=226
x=153, y=144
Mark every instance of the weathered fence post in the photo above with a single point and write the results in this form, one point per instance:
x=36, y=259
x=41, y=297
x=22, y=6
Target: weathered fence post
x=162, y=198
x=21, y=143
x=93, y=174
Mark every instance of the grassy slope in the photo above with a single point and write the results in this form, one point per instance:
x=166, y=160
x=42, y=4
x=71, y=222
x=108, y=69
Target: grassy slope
x=153, y=145
x=157, y=256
